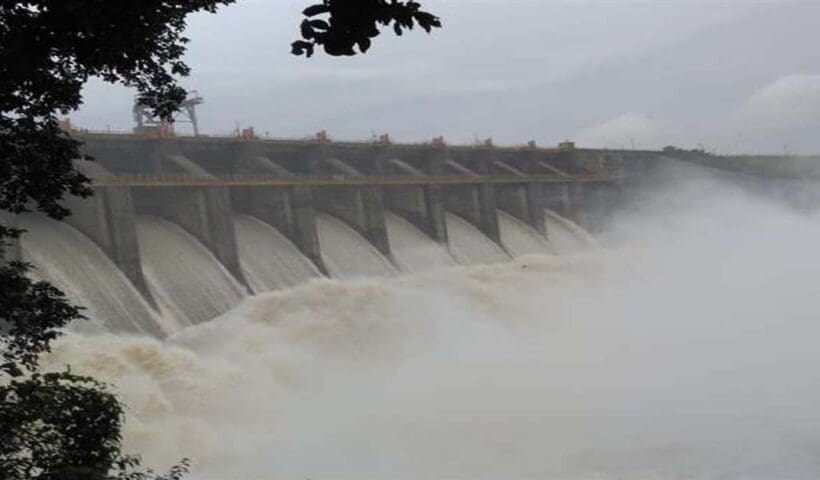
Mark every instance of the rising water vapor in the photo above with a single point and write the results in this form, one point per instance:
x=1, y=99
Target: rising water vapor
x=685, y=348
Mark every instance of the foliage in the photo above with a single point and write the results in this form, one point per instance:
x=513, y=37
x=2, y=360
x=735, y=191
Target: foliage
x=48, y=51
x=63, y=426
x=60, y=425
x=354, y=23
x=53, y=426
x=33, y=313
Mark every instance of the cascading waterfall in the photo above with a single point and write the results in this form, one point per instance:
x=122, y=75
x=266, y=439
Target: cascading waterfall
x=188, y=282
x=268, y=259
x=520, y=238
x=469, y=246
x=191, y=286
x=413, y=250
x=76, y=265
x=347, y=254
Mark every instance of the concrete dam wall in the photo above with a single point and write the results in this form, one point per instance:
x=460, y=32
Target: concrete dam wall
x=181, y=229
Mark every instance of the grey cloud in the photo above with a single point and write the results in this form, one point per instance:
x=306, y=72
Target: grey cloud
x=630, y=130
x=790, y=102
x=514, y=70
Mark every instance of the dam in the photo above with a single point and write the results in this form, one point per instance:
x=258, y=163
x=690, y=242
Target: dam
x=453, y=352
x=181, y=229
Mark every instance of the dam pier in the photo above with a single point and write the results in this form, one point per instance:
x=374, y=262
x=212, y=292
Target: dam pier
x=180, y=229
x=199, y=182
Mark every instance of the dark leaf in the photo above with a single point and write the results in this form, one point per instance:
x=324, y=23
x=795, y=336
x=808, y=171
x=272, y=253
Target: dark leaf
x=314, y=10
x=364, y=44
x=352, y=24
x=319, y=24
x=307, y=30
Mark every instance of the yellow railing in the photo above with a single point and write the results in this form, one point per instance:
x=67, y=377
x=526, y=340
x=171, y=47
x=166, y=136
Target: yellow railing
x=171, y=180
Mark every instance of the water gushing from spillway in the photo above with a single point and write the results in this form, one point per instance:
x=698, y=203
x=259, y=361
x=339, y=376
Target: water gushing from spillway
x=413, y=250
x=188, y=282
x=347, y=254
x=686, y=350
x=269, y=260
x=564, y=235
x=469, y=246
x=520, y=238
x=76, y=265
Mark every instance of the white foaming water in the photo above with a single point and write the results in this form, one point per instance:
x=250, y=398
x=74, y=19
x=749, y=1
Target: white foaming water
x=688, y=352
x=520, y=238
x=268, y=259
x=347, y=254
x=413, y=250
x=188, y=282
x=76, y=265
x=469, y=246
x=566, y=237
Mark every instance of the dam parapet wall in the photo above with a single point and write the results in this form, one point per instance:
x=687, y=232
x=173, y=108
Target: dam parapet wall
x=196, y=223
x=357, y=181
x=199, y=183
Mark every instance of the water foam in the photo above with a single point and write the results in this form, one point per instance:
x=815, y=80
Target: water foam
x=688, y=352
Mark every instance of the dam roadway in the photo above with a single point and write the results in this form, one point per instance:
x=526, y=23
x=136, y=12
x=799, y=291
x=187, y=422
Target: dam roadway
x=341, y=180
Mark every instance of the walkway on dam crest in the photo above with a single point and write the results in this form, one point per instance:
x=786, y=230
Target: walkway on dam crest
x=340, y=180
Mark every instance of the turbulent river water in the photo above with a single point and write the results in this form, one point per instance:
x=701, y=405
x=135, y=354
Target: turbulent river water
x=686, y=347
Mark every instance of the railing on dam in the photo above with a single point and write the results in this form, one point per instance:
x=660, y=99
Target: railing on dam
x=310, y=141
x=165, y=180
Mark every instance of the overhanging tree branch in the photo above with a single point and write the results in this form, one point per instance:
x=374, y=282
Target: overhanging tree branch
x=343, y=26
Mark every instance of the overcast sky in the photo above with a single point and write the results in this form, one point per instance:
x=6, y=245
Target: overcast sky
x=731, y=76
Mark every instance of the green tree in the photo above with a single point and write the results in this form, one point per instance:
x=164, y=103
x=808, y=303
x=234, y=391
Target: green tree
x=61, y=425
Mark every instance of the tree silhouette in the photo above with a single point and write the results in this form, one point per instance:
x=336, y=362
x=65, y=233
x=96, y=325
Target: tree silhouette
x=346, y=25
x=60, y=425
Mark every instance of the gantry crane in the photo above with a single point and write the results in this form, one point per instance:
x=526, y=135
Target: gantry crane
x=145, y=119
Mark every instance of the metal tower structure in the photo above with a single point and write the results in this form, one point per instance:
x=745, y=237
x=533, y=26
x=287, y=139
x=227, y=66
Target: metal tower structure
x=143, y=116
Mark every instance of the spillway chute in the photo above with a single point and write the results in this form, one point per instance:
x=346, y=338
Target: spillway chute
x=73, y=263
x=565, y=236
x=520, y=238
x=186, y=279
x=469, y=245
x=268, y=259
x=347, y=254
x=412, y=249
